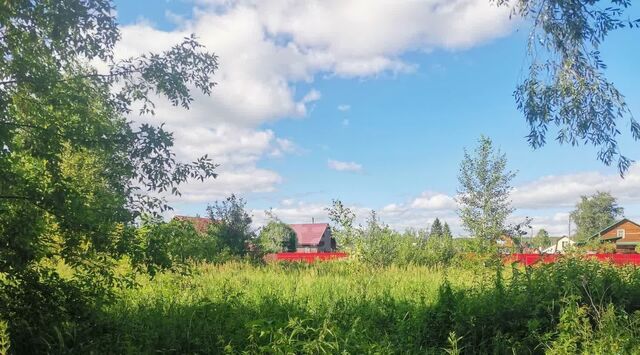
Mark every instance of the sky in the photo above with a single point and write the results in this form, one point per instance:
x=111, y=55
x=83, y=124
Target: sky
x=370, y=102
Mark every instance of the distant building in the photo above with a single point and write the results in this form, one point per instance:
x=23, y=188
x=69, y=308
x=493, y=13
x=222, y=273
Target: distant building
x=314, y=237
x=201, y=224
x=625, y=234
x=560, y=245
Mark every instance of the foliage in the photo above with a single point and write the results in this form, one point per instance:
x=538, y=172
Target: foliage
x=276, y=237
x=342, y=228
x=594, y=213
x=343, y=307
x=74, y=172
x=542, y=239
x=566, y=85
x=231, y=224
x=436, y=229
x=484, y=191
x=606, y=248
x=5, y=343
x=637, y=249
x=446, y=231
x=175, y=245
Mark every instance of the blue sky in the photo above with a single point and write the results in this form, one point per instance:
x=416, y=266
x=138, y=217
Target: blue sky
x=369, y=102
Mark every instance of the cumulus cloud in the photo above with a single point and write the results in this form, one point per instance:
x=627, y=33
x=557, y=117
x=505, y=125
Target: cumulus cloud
x=344, y=166
x=267, y=47
x=565, y=190
x=434, y=201
x=344, y=107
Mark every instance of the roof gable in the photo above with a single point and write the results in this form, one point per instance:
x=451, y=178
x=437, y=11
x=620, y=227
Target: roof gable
x=309, y=234
x=614, y=225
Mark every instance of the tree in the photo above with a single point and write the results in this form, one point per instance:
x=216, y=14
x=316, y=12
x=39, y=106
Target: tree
x=232, y=224
x=484, y=190
x=566, y=85
x=595, y=212
x=342, y=219
x=276, y=236
x=436, y=229
x=75, y=173
x=446, y=231
x=542, y=240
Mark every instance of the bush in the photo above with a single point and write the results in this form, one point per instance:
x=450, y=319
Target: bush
x=276, y=237
x=607, y=248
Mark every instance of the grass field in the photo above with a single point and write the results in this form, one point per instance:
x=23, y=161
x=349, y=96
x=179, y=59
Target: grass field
x=341, y=307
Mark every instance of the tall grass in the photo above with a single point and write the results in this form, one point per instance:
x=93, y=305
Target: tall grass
x=342, y=307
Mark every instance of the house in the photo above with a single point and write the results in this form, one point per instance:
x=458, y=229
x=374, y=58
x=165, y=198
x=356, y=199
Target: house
x=314, y=237
x=625, y=234
x=201, y=224
x=560, y=245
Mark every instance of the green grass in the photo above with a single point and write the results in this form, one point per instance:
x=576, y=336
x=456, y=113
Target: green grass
x=341, y=307
x=238, y=307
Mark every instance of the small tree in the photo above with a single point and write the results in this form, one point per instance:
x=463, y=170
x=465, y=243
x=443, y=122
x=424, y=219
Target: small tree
x=276, y=236
x=542, y=240
x=484, y=191
x=231, y=224
x=446, y=231
x=379, y=245
x=342, y=227
x=436, y=229
x=595, y=212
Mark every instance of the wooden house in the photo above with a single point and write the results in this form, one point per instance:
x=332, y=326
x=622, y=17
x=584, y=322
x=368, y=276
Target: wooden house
x=625, y=234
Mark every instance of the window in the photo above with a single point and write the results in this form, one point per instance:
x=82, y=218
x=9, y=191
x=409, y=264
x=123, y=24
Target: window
x=620, y=233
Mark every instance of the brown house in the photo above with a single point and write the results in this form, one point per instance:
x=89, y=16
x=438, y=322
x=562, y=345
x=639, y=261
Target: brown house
x=314, y=237
x=625, y=234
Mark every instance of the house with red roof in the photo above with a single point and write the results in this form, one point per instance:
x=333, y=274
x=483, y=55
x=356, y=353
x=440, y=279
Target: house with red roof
x=314, y=237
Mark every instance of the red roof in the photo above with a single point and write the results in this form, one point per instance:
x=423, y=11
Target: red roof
x=201, y=224
x=309, y=234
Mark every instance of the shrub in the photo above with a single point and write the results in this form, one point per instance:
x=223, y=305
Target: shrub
x=607, y=248
x=276, y=237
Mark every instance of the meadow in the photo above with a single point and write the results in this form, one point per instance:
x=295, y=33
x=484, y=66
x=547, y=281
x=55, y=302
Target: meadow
x=346, y=307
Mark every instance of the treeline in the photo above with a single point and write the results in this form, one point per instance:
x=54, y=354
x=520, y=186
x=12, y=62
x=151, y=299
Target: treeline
x=229, y=235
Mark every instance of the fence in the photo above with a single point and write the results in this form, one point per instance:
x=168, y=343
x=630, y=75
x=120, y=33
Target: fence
x=307, y=257
x=530, y=259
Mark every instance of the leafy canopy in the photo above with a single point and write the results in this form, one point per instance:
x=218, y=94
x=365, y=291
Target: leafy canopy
x=277, y=236
x=566, y=86
x=231, y=224
x=542, y=239
x=75, y=172
x=594, y=213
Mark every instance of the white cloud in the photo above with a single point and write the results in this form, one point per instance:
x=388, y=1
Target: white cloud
x=434, y=201
x=565, y=190
x=344, y=165
x=266, y=47
x=344, y=107
x=249, y=180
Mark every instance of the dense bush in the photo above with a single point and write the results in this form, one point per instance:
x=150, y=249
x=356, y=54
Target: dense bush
x=276, y=237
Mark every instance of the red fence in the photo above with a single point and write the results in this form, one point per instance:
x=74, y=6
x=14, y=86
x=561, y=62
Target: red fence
x=308, y=257
x=530, y=259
